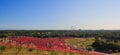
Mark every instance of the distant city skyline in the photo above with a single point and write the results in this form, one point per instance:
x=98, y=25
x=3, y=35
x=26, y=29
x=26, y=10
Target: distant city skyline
x=59, y=14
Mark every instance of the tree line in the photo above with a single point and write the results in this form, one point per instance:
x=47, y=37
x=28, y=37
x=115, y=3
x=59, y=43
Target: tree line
x=55, y=33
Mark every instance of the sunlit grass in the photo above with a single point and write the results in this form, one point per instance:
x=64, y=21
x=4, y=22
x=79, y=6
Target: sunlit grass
x=25, y=51
x=80, y=42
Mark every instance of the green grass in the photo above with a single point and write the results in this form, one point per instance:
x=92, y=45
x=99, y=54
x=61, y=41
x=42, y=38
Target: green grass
x=80, y=42
x=25, y=51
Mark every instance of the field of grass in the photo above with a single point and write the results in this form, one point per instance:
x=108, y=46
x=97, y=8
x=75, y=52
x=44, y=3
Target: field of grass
x=79, y=43
x=26, y=51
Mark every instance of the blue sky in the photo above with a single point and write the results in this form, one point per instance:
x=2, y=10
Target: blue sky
x=59, y=14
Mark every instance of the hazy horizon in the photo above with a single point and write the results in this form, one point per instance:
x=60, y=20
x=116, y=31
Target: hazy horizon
x=59, y=14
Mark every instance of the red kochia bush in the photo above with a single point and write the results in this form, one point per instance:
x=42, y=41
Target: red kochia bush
x=48, y=44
